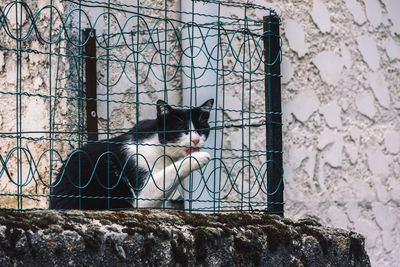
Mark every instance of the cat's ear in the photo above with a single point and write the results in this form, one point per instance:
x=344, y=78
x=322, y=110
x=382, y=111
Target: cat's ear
x=207, y=106
x=163, y=108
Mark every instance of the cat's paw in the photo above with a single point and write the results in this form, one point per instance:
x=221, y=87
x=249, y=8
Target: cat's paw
x=199, y=159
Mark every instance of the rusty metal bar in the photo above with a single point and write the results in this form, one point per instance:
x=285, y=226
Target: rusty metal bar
x=91, y=84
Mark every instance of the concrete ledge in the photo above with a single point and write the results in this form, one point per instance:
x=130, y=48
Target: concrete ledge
x=161, y=238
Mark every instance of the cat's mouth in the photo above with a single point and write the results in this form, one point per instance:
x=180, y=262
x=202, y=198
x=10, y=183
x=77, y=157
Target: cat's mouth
x=191, y=150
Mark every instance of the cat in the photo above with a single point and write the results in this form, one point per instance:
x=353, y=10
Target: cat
x=162, y=151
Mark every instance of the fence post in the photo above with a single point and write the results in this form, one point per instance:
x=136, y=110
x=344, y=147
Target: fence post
x=273, y=111
x=91, y=86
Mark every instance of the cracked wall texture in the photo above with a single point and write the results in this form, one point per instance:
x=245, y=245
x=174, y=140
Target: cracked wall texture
x=341, y=107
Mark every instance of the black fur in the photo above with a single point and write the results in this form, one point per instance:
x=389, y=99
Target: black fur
x=77, y=187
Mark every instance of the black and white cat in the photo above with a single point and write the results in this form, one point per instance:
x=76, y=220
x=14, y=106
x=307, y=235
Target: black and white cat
x=162, y=151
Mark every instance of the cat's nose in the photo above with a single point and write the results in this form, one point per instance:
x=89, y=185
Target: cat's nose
x=195, y=141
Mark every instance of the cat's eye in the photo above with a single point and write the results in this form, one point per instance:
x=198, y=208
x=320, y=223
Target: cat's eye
x=186, y=128
x=182, y=126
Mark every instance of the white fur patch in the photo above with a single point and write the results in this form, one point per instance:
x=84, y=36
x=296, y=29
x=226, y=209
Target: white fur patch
x=149, y=152
x=151, y=157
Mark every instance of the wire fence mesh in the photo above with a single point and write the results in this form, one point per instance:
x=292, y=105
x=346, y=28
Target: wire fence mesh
x=85, y=72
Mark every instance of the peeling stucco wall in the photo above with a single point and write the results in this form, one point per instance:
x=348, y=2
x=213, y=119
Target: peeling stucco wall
x=30, y=86
x=341, y=107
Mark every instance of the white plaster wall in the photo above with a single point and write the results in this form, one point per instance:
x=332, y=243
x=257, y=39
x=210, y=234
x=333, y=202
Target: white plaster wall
x=341, y=104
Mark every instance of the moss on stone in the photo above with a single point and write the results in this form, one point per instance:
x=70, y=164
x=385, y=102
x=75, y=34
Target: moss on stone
x=308, y=221
x=193, y=219
x=179, y=248
x=309, y=230
x=191, y=239
x=164, y=217
x=13, y=236
x=276, y=237
x=148, y=245
x=200, y=244
x=105, y=222
x=342, y=242
x=247, y=251
x=93, y=238
x=47, y=219
x=356, y=245
x=17, y=219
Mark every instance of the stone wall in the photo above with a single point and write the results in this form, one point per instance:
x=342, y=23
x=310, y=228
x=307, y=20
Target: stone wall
x=28, y=82
x=160, y=238
x=341, y=107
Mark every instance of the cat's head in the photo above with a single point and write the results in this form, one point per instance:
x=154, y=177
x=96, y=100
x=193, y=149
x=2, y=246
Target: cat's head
x=186, y=130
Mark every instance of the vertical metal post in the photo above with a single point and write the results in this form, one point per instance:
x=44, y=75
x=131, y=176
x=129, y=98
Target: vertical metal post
x=273, y=114
x=91, y=86
x=18, y=29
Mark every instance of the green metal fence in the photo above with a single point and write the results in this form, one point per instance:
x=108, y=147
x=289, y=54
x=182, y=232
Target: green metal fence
x=73, y=72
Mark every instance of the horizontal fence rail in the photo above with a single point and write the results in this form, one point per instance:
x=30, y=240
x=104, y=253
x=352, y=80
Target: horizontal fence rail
x=79, y=74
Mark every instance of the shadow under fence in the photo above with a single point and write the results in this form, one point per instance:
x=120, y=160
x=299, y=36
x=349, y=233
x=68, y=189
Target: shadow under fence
x=140, y=105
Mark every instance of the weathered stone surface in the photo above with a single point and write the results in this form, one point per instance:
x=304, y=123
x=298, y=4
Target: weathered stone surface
x=331, y=112
x=295, y=36
x=356, y=10
x=378, y=162
x=369, y=52
x=1, y=60
x=392, y=49
x=374, y=13
x=378, y=84
x=160, y=238
x=287, y=70
x=346, y=55
x=320, y=15
x=36, y=117
x=304, y=105
x=393, y=9
x=365, y=105
x=352, y=151
x=331, y=143
x=330, y=66
x=298, y=155
x=392, y=142
x=338, y=219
